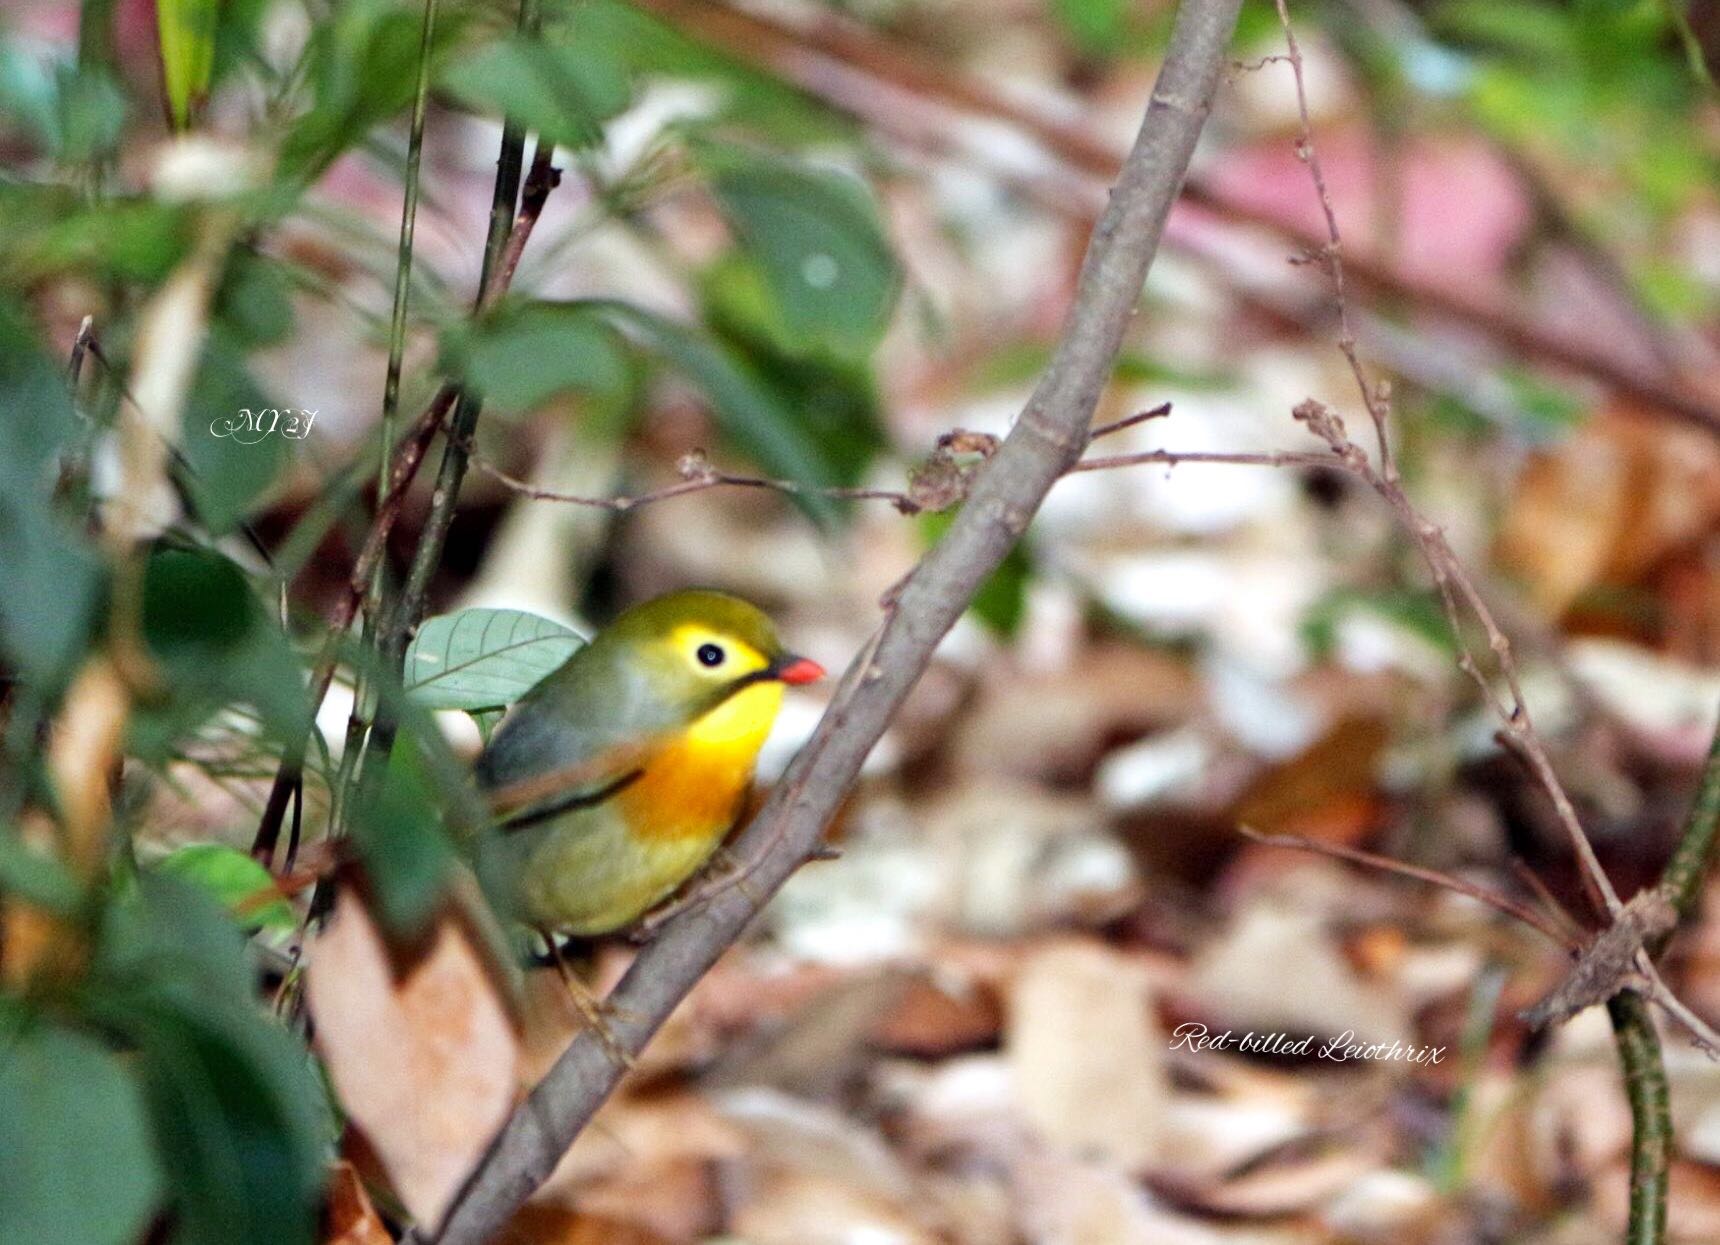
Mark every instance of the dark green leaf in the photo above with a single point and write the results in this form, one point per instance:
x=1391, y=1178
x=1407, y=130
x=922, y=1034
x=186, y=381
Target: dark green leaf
x=406, y=854
x=483, y=658
x=743, y=403
x=529, y=352
x=77, y=1162
x=229, y=472
x=238, y=1121
x=815, y=236
x=37, y=877
x=565, y=93
x=42, y=632
x=217, y=647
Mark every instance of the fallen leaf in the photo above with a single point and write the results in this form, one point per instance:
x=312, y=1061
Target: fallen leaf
x=423, y=1056
x=1277, y=969
x=1086, y=1053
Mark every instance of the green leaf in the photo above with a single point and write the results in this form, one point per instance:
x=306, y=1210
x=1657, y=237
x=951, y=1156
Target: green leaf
x=53, y=577
x=483, y=658
x=527, y=353
x=235, y=880
x=407, y=856
x=363, y=69
x=834, y=401
x=77, y=1159
x=227, y=475
x=1097, y=26
x=187, y=33
x=217, y=647
x=745, y=406
x=40, y=879
x=168, y=938
x=815, y=235
x=565, y=93
x=74, y=112
x=1001, y=602
x=238, y=1122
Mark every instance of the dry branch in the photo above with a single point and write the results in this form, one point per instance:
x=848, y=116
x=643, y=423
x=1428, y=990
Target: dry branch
x=1046, y=440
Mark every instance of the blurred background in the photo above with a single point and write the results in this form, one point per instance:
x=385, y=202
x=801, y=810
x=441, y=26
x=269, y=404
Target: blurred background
x=800, y=242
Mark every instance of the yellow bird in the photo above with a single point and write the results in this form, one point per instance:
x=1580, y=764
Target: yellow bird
x=617, y=776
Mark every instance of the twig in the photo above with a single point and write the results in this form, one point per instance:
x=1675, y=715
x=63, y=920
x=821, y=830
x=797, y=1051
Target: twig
x=1331, y=256
x=1129, y=421
x=408, y=229
x=1008, y=490
x=1493, y=899
x=861, y=73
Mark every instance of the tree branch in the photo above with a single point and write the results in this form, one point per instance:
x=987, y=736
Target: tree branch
x=1049, y=435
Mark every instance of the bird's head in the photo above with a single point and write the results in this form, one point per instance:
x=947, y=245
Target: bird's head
x=694, y=650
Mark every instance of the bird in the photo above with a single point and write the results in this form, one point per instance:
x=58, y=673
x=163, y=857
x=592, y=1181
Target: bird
x=616, y=778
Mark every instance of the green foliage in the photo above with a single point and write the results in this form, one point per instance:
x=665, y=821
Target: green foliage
x=239, y=1120
x=72, y=114
x=78, y=1163
x=1001, y=602
x=362, y=68
x=40, y=879
x=1598, y=81
x=186, y=31
x=1417, y=611
x=527, y=352
x=648, y=48
x=227, y=476
x=407, y=856
x=829, y=276
x=832, y=398
x=744, y=404
x=216, y=647
x=564, y=93
x=1096, y=26
x=233, y=879
x=43, y=629
x=482, y=659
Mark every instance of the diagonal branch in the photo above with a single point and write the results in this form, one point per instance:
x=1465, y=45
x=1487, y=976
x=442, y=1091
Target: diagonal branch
x=1008, y=490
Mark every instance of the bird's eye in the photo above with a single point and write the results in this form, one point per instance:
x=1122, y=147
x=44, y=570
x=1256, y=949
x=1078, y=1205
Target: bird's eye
x=710, y=655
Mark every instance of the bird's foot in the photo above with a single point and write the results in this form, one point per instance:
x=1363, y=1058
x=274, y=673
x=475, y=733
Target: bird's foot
x=595, y=1012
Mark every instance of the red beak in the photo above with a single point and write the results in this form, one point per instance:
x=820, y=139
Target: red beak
x=800, y=670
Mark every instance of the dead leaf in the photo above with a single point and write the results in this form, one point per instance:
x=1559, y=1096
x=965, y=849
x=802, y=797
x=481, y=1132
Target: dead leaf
x=1086, y=1054
x=1277, y=969
x=349, y=1218
x=423, y=1056
x=558, y=1225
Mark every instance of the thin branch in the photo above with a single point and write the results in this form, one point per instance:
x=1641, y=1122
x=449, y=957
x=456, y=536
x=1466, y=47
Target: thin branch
x=1331, y=256
x=1008, y=490
x=408, y=456
x=407, y=460
x=1493, y=899
x=408, y=229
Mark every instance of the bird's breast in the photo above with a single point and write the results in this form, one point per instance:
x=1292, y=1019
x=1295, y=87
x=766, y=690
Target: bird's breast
x=694, y=785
